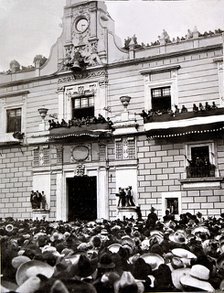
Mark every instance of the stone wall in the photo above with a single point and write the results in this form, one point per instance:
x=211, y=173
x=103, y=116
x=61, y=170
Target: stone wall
x=15, y=182
x=161, y=166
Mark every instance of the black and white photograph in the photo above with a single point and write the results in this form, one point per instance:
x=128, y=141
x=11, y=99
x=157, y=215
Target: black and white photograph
x=111, y=146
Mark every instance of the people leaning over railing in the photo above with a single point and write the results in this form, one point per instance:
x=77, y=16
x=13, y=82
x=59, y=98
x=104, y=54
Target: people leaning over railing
x=148, y=116
x=80, y=122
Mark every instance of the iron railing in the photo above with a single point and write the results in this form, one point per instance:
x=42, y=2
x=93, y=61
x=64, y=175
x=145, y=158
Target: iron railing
x=201, y=171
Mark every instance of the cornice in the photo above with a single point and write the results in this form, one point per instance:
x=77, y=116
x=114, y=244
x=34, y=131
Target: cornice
x=14, y=94
x=28, y=80
x=120, y=63
x=160, y=69
x=164, y=55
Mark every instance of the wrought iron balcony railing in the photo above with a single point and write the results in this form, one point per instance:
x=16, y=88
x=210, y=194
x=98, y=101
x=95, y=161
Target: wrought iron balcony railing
x=201, y=171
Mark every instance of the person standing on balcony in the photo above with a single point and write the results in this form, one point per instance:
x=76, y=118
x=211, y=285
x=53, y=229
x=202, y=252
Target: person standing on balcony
x=122, y=197
x=43, y=201
x=130, y=197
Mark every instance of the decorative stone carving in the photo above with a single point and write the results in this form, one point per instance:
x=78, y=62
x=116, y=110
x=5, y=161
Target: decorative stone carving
x=81, y=90
x=80, y=153
x=71, y=78
x=80, y=170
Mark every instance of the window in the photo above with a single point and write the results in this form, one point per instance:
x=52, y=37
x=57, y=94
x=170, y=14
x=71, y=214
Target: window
x=200, y=161
x=14, y=120
x=172, y=205
x=161, y=98
x=171, y=201
x=83, y=106
x=125, y=148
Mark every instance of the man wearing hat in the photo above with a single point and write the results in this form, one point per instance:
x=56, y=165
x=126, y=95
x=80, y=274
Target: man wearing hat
x=130, y=197
x=151, y=219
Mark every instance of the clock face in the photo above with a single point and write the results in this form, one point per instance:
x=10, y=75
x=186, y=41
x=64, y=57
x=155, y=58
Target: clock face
x=82, y=25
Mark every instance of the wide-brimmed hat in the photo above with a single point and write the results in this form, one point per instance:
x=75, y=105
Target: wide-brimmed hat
x=141, y=269
x=178, y=237
x=197, y=278
x=145, y=244
x=153, y=259
x=106, y=261
x=176, y=263
x=58, y=286
x=156, y=235
x=31, y=269
x=18, y=260
x=114, y=247
x=200, y=229
x=183, y=253
x=85, y=267
x=127, y=280
x=72, y=285
x=220, y=261
x=73, y=258
x=31, y=285
x=127, y=240
x=56, y=236
x=177, y=274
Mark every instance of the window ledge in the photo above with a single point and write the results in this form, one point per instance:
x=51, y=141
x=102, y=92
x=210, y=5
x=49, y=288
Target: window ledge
x=160, y=69
x=201, y=183
x=8, y=139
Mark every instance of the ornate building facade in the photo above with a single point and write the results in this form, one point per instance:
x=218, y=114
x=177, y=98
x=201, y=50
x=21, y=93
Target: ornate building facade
x=98, y=115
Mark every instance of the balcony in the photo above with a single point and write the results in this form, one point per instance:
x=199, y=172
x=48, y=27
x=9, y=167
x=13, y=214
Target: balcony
x=200, y=171
x=184, y=125
x=80, y=128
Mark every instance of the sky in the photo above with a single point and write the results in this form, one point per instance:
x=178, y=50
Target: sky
x=31, y=27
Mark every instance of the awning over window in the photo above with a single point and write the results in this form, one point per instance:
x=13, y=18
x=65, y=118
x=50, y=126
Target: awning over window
x=204, y=122
x=93, y=130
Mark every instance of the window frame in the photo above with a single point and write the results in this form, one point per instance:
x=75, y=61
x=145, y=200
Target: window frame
x=88, y=97
x=171, y=82
x=12, y=107
x=212, y=154
x=160, y=97
x=17, y=118
x=169, y=195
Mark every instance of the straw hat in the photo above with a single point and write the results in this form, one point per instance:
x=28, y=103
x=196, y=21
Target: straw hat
x=30, y=285
x=200, y=229
x=197, y=278
x=18, y=260
x=33, y=268
x=58, y=286
x=153, y=259
x=127, y=280
x=183, y=253
x=177, y=274
x=114, y=247
x=178, y=237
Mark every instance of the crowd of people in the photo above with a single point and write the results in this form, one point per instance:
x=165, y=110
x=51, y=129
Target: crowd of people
x=80, y=122
x=148, y=116
x=134, y=256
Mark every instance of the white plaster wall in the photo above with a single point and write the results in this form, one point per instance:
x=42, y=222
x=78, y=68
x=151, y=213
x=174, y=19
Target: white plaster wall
x=41, y=182
x=127, y=176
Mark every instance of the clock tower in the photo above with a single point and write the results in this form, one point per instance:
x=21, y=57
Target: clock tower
x=87, y=31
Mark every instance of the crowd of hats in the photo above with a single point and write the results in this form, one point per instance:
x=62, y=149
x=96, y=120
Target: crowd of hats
x=133, y=256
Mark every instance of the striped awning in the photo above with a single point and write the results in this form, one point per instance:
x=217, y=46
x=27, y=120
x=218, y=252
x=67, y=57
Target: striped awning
x=180, y=128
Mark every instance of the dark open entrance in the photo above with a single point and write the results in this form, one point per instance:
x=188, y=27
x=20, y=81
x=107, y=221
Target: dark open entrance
x=82, y=203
